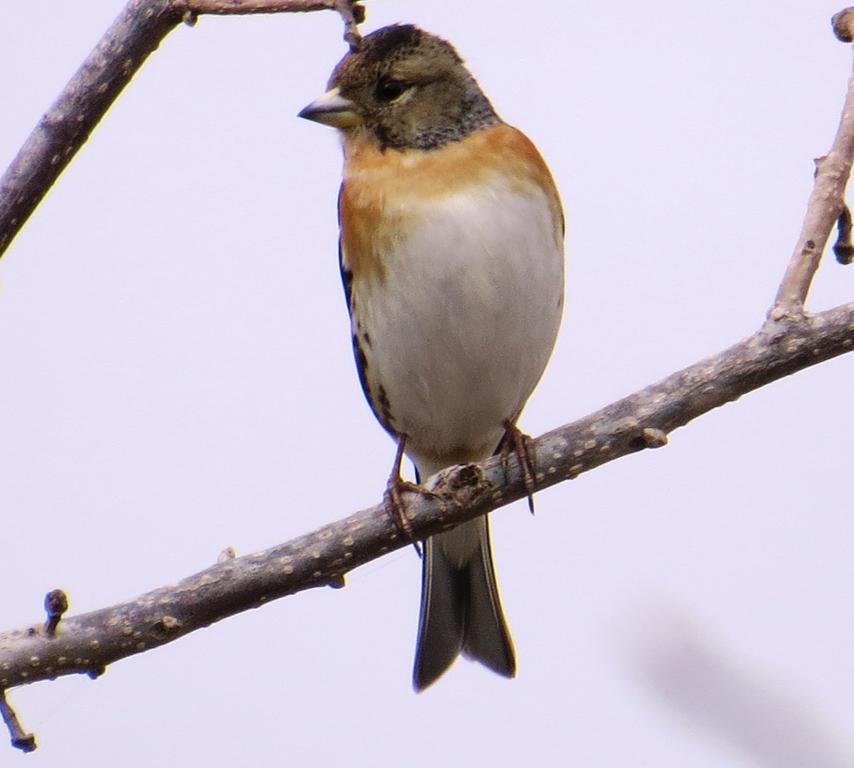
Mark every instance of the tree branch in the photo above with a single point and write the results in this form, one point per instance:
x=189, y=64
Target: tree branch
x=122, y=50
x=89, y=642
x=788, y=341
x=826, y=204
x=824, y=208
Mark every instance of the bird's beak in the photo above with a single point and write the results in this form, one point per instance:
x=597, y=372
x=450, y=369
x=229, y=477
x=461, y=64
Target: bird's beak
x=332, y=109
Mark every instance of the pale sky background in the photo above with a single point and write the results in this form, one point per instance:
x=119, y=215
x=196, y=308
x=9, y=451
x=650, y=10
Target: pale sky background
x=177, y=378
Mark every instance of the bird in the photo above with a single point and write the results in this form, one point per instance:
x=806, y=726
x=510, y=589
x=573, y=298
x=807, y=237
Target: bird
x=451, y=252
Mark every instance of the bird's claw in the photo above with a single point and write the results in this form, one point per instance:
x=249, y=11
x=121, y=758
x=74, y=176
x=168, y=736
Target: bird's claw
x=517, y=442
x=393, y=498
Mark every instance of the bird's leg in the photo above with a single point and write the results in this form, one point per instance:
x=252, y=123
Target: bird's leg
x=393, y=500
x=516, y=441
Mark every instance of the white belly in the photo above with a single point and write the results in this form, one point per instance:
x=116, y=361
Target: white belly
x=464, y=321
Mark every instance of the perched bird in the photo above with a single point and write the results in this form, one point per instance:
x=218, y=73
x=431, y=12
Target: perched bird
x=451, y=253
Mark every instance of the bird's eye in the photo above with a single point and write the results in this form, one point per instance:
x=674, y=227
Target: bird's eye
x=388, y=89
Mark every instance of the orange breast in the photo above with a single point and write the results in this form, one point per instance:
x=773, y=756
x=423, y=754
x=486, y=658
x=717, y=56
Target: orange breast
x=383, y=192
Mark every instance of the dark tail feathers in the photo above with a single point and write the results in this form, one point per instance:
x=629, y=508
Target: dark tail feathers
x=460, y=608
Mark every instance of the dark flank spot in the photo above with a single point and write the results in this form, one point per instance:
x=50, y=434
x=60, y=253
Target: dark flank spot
x=362, y=370
x=361, y=360
x=366, y=337
x=378, y=400
x=385, y=407
x=347, y=278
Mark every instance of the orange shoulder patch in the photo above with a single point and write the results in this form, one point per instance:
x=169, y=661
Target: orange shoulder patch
x=364, y=234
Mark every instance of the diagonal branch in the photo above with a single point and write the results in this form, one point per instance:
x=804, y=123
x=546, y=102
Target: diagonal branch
x=89, y=642
x=119, y=54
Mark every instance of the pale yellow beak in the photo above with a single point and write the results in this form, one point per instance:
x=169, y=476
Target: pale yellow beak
x=332, y=109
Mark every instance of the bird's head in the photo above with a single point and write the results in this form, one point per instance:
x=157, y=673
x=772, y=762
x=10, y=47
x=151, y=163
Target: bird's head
x=405, y=89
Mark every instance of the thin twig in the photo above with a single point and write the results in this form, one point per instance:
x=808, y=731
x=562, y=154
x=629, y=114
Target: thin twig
x=132, y=37
x=241, y=7
x=823, y=209
x=22, y=740
x=350, y=11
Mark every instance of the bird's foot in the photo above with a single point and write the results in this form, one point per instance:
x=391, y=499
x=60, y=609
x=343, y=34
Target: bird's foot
x=517, y=442
x=393, y=498
x=396, y=510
